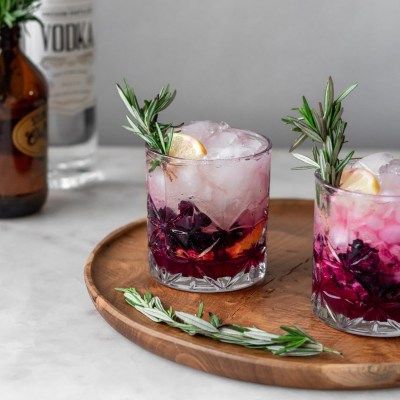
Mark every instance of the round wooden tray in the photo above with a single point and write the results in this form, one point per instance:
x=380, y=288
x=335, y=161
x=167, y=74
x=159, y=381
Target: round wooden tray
x=120, y=260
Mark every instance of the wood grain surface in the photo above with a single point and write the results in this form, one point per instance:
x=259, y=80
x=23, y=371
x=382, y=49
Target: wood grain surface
x=283, y=298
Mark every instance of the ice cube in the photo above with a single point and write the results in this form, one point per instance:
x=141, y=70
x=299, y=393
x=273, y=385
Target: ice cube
x=390, y=234
x=156, y=187
x=339, y=236
x=389, y=176
x=222, y=190
x=374, y=162
x=222, y=141
x=226, y=187
x=238, y=186
x=223, y=144
x=201, y=130
x=393, y=167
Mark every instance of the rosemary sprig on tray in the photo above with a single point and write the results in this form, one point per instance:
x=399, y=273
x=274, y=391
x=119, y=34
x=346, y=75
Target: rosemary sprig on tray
x=14, y=12
x=294, y=342
x=143, y=120
x=326, y=129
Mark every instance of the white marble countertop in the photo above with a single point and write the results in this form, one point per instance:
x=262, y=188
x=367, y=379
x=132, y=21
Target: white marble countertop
x=54, y=345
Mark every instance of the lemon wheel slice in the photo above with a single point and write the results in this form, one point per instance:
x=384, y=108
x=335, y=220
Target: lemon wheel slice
x=186, y=146
x=361, y=180
x=345, y=174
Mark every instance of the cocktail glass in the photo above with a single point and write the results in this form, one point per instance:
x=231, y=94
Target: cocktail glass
x=207, y=218
x=356, y=277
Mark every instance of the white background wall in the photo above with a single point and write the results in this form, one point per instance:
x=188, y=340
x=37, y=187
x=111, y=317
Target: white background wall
x=248, y=62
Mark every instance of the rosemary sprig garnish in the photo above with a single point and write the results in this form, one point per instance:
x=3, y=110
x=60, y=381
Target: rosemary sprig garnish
x=294, y=342
x=326, y=129
x=143, y=121
x=14, y=12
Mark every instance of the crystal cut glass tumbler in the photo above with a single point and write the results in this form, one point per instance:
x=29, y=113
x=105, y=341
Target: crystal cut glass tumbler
x=207, y=220
x=356, y=276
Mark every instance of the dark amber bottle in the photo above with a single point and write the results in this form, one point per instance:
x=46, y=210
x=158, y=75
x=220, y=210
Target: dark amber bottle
x=23, y=130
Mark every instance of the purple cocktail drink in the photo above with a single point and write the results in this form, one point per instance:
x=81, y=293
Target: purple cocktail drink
x=207, y=217
x=356, y=275
x=356, y=279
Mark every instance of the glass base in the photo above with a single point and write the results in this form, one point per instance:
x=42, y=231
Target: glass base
x=357, y=326
x=206, y=284
x=73, y=178
x=73, y=166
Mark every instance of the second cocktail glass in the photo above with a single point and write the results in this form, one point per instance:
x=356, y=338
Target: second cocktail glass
x=356, y=278
x=207, y=218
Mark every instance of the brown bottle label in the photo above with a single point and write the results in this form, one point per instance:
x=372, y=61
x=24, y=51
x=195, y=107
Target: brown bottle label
x=29, y=134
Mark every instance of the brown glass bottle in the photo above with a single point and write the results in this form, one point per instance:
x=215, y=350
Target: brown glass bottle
x=23, y=130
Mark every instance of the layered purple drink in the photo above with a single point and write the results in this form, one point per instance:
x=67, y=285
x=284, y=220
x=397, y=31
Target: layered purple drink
x=356, y=279
x=207, y=217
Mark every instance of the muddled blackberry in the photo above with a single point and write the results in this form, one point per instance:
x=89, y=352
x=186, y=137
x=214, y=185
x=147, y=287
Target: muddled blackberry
x=189, y=242
x=357, y=283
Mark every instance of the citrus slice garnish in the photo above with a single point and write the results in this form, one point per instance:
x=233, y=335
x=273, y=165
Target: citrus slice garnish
x=361, y=180
x=186, y=146
x=247, y=242
x=345, y=174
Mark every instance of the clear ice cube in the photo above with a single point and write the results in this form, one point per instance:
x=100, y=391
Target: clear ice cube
x=156, y=186
x=201, y=130
x=393, y=167
x=222, y=141
x=374, y=162
x=226, y=187
x=389, y=176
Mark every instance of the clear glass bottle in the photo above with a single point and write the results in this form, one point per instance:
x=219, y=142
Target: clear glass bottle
x=23, y=130
x=64, y=50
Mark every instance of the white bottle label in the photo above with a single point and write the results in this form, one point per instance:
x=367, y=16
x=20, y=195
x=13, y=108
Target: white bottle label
x=63, y=50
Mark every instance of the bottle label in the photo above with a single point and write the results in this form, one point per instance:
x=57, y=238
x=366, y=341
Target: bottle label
x=63, y=49
x=29, y=134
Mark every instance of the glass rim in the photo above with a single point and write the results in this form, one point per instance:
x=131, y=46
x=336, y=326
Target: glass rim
x=351, y=193
x=178, y=160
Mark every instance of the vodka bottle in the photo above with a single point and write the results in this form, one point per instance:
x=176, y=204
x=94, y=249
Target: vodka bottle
x=63, y=48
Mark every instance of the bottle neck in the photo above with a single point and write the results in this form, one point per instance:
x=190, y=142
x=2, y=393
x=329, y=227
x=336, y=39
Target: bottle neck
x=9, y=38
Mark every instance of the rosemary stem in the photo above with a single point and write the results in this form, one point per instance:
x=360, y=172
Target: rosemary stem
x=294, y=342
